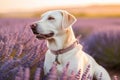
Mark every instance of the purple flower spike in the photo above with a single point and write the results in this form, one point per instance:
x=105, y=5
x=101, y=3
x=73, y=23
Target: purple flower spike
x=115, y=77
x=72, y=76
x=84, y=76
x=52, y=75
x=27, y=74
x=100, y=77
x=64, y=75
x=77, y=77
x=20, y=73
x=1, y=45
x=37, y=73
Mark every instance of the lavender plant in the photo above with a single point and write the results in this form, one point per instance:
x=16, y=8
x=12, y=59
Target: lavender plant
x=104, y=46
x=19, y=47
x=22, y=55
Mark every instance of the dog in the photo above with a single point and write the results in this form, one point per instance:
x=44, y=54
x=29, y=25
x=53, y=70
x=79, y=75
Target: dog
x=55, y=27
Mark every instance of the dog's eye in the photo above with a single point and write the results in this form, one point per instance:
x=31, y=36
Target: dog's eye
x=51, y=18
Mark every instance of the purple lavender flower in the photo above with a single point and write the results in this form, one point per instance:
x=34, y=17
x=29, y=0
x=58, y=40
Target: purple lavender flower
x=85, y=74
x=52, y=75
x=26, y=73
x=100, y=77
x=77, y=76
x=72, y=76
x=115, y=78
x=19, y=74
x=37, y=73
x=64, y=75
x=19, y=50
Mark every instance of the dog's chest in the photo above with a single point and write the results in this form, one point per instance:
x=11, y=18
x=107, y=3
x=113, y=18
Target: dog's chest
x=50, y=59
x=63, y=59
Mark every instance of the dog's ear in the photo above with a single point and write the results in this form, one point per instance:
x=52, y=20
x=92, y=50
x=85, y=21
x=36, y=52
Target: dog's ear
x=67, y=19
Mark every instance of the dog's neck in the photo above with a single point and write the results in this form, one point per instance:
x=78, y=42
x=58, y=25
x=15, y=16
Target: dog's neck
x=62, y=41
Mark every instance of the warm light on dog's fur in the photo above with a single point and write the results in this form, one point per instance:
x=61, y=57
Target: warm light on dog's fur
x=59, y=22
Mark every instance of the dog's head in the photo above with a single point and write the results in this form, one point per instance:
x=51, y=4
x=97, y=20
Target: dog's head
x=52, y=23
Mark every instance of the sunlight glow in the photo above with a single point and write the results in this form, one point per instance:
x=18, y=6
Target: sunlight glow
x=13, y=5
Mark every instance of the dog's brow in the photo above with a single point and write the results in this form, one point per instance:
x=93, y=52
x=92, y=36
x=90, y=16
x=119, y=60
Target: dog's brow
x=43, y=17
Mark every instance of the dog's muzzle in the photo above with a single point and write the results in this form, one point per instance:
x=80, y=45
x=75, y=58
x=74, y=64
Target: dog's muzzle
x=39, y=35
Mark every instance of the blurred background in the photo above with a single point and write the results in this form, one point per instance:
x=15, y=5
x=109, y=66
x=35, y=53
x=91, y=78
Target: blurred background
x=80, y=8
x=98, y=25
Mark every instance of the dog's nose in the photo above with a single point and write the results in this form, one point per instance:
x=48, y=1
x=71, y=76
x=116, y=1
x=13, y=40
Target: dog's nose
x=34, y=27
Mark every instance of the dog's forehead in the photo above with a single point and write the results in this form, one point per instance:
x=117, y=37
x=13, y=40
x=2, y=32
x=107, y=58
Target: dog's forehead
x=52, y=13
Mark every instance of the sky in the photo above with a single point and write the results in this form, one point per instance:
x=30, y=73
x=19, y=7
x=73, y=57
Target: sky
x=14, y=5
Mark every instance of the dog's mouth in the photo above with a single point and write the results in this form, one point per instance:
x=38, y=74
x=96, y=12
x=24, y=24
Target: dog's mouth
x=44, y=36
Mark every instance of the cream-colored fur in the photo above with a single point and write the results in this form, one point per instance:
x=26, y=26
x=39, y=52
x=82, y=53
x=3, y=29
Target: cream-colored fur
x=60, y=24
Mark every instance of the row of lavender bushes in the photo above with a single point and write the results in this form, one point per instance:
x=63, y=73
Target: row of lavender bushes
x=19, y=49
x=104, y=46
x=22, y=55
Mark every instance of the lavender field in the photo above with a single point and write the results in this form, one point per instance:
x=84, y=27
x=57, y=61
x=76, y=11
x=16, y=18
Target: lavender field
x=22, y=55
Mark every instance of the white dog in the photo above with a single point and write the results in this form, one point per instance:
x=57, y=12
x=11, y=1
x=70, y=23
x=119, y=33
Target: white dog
x=55, y=27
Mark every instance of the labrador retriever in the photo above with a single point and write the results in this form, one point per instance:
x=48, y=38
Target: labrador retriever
x=55, y=27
